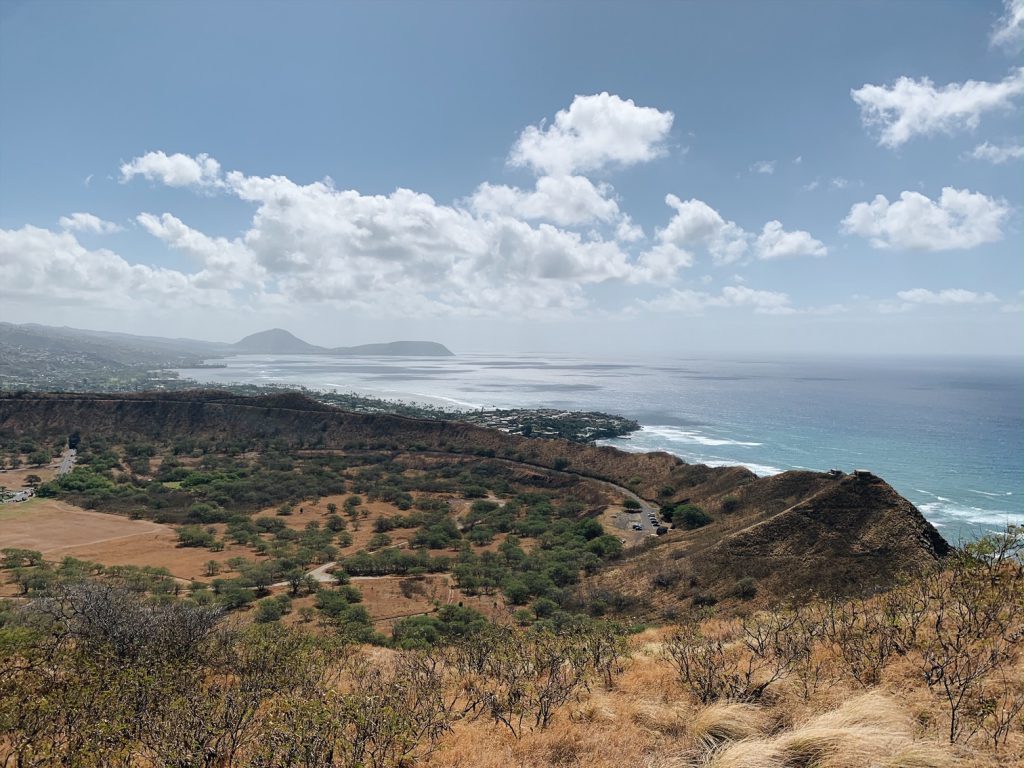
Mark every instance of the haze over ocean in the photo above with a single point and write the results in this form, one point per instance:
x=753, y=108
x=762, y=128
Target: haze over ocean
x=946, y=433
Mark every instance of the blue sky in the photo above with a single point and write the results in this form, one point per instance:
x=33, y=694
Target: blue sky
x=605, y=177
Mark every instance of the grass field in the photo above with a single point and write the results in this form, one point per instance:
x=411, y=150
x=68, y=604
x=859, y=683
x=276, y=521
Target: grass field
x=58, y=530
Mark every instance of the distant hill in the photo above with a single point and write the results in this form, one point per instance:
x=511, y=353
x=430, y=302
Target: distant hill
x=276, y=341
x=30, y=340
x=398, y=348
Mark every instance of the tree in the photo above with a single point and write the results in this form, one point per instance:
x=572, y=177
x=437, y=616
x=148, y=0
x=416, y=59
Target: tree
x=690, y=517
x=39, y=458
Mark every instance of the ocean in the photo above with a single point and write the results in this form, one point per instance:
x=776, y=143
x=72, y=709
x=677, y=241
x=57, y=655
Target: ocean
x=946, y=433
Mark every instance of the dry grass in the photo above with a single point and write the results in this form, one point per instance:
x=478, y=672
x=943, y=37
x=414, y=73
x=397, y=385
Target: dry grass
x=872, y=729
x=647, y=721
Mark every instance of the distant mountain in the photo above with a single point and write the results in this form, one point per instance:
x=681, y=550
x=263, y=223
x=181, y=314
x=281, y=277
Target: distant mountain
x=41, y=355
x=276, y=341
x=398, y=348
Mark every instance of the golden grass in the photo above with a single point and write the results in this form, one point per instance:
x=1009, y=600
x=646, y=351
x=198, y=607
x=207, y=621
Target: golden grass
x=648, y=721
x=869, y=730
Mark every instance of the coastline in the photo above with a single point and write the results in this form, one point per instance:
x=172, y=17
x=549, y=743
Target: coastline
x=768, y=416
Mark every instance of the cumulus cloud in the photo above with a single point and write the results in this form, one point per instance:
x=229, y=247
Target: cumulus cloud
x=947, y=296
x=959, y=219
x=175, y=170
x=765, y=166
x=776, y=243
x=594, y=132
x=996, y=154
x=1009, y=30
x=405, y=253
x=501, y=249
x=696, y=226
x=40, y=264
x=910, y=108
x=87, y=222
x=563, y=200
x=226, y=263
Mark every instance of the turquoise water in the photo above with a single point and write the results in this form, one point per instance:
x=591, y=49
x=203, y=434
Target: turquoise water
x=947, y=434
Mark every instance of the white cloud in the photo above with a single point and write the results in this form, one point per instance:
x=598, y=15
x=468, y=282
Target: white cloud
x=226, y=263
x=404, y=253
x=840, y=183
x=687, y=301
x=662, y=262
x=910, y=107
x=38, y=264
x=960, y=219
x=564, y=200
x=696, y=226
x=175, y=170
x=1009, y=30
x=998, y=155
x=764, y=166
x=776, y=243
x=812, y=185
x=1017, y=307
x=594, y=132
x=948, y=296
x=87, y=222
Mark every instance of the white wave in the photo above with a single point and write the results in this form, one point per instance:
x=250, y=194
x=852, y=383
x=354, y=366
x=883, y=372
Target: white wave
x=632, y=446
x=677, y=435
x=761, y=470
x=977, y=515
x=933, y=495
x=463, y=403
x=993, y=495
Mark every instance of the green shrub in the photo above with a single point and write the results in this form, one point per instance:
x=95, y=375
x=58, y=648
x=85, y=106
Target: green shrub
x=746, y=588
x=690, y=517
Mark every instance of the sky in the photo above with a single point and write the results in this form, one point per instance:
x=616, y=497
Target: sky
x=605, y=178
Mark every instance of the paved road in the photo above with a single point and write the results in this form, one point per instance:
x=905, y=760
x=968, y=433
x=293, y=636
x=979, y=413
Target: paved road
x=67, y=461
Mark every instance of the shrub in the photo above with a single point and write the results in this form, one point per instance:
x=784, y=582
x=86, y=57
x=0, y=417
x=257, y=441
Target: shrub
x=690, y=517
x=746, y=588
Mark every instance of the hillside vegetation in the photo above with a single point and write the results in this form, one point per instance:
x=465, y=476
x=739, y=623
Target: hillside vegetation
x=800, y=532
x=805, y=620
x=98, y=673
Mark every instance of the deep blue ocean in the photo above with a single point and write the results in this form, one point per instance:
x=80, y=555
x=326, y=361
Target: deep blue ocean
x=948, y=434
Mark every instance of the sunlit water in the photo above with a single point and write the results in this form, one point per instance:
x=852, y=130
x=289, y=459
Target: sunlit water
x=948, y=434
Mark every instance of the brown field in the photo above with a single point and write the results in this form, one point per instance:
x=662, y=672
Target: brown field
x=58, y=530
x=14, y=479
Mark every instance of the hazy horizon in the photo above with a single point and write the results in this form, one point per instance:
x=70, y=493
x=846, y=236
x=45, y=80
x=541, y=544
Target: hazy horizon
x=643, y=178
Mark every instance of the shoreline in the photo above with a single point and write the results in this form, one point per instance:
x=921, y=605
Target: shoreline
x=943, y=482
